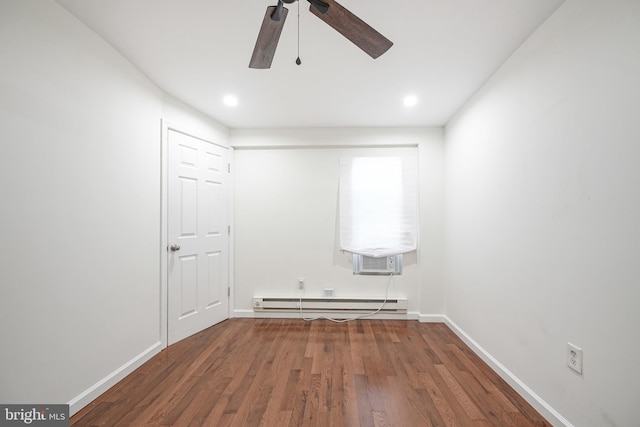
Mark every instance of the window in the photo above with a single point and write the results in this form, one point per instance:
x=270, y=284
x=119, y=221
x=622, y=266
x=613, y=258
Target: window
x=378, y=205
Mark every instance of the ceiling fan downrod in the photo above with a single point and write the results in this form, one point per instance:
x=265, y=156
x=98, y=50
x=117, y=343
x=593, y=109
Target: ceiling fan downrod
x=321, y=6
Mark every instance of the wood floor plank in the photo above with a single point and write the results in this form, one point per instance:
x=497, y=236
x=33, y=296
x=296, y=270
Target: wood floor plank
x=461, y=395
x=443, y=403
x=356, y=334
x=445, y=399
x=411, y=408
x=275, y=401
x=349, y=396
x=423, y=400
x=289, y=372
x=302, y=393
x=289, y=393
x=364, y=407
x=312, y=407
x=495, y=411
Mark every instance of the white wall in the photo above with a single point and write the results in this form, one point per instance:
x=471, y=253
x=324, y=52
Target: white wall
x=431, y=152
x=542, y=231
x=286, y=193
x=80, y=210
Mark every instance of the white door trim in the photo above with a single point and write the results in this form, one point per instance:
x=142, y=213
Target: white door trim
x=164, y=183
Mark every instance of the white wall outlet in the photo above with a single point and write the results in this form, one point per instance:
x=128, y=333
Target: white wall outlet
x=574, y=358
x=328, y=292
x=300, y=282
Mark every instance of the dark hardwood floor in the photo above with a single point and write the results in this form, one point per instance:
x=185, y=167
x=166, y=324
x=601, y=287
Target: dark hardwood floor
x=285, y=372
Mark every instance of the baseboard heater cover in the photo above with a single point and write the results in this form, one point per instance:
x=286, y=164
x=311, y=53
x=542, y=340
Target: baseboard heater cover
x=322, y=304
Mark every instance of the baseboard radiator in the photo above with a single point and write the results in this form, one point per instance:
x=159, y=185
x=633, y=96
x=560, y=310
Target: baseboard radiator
x=324, y=304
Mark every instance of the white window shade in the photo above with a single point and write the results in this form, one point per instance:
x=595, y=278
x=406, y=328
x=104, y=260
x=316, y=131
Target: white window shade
x=378, y=205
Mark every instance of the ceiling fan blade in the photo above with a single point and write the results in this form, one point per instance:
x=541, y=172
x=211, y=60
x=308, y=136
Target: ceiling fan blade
x=268, y=37
x=353, y=28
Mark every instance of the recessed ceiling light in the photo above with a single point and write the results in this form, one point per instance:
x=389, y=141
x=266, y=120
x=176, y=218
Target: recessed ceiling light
x=230, y=100
x=410, y=100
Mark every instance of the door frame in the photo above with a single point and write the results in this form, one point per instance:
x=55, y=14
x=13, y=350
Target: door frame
x=167, y=126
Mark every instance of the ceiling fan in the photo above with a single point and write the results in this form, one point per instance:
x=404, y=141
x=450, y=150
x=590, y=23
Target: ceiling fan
x=331, y=12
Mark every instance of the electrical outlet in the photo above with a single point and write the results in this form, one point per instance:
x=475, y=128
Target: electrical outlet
x=574, y=358
x=300, y=282
x=328, y=292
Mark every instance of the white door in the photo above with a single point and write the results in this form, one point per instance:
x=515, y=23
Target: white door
x=197, y=235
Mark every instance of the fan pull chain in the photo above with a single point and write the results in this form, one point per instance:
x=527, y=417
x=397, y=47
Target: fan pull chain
x=298, y=61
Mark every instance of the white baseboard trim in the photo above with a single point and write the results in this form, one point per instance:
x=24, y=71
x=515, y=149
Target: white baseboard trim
x=431, y=318
x=520, y=387
x=89, y=395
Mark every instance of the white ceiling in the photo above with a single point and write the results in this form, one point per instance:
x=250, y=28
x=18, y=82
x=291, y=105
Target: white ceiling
x=199, y=51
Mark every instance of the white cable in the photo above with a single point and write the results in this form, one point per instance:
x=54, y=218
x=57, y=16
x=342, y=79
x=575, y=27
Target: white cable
x=310, y=319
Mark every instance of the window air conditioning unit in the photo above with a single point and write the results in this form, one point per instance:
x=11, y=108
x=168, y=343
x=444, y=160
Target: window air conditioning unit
x=363, y=264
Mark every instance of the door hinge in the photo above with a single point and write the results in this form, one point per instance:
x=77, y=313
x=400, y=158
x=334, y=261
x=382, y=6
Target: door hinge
x=229, y=167
x=228, y=292
x=229, y=230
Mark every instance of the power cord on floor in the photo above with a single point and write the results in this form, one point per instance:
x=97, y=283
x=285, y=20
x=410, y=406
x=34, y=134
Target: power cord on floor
x=310, y=319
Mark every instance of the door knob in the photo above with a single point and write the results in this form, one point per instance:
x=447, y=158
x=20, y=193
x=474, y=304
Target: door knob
x=174, y=248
